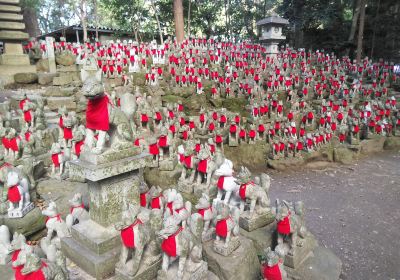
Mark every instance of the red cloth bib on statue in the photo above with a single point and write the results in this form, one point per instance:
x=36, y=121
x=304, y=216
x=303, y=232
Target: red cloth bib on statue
x=272, y=272
x=169, y=245
x=97, y=117
x=169, y=206
x=78, y=147
x=36, y=275
x=13, y=194
x=144, y=118
x=155, y=203
x=61, y=122
x=6, y=142
x=67, y=133
x=153, y=149
x=13, y=144
x=128, y=235
x=221, y=228
x=28, y=116
x=242, y=190
x=162, y=141
x=143, y=200
x=202, y=211
x=283, y=226
x=158, y=116
x=202, y=167
x=55, y=159
x=71, y=209
x=188, y=161
x=220, y=183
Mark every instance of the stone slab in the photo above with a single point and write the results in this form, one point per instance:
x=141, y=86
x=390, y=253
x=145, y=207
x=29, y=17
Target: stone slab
x=59, y=91
x=54, y=103
x=14, y=59
x=300, y=254
x=200, y=272
x=7, y=72
x=257, y=221
x=242, y=264
x=31, y=223
x=109, y=155
x=322, y=265
x=17, y=214
x=11, y=25
x=13, y=35
x=46, y=78
x=62, y=80
x=96, y=173
x=144, y=273
x=95, y=237
x=226, y=249
x=262, y=237
x=9, y=16
x=10, y=8
x=98, y=266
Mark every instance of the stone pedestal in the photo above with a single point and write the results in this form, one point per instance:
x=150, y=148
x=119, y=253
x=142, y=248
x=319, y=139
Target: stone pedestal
x=252, y=223
x=16, y=213
x=95, y=244
x=226, y=249
x=192, y=271
x=242, y=264
x=148, y=268
x=13, y=60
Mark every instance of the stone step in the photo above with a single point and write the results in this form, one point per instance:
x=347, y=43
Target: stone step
x=12, y=25
x=9, y=2
x=13, y=35
x=8, y=16
x=56, y=102
x=10, y=8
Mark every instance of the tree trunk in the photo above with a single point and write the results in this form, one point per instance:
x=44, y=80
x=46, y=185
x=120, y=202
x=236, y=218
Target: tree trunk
x=31, y=22
x=375, y=27
x=353, y=29
x=158, y=22
x=188, y=27
x=361, y=31
x=298, y=28
x=179, y=23
x=84, y=27
x=96, y=18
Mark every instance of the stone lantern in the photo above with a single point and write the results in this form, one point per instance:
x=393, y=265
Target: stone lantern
x=271, y=32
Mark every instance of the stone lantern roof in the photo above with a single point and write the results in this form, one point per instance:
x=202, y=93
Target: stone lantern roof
x=274, y=19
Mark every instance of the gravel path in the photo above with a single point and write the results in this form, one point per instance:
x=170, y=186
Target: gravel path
x=353, y=210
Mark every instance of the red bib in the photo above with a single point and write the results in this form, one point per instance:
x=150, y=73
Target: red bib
x=221, y=228
x=242, y=190
x=155, y=203
x=13, y=145
x=67, y=133
x=28, y=116
x=6, y=143
x=169, y=245
x=55, y=159
x=188, y=161
x=202, y=167
x=143, y=200
x=220, y=183
x=97, y=117
x=144, y=118
x=78, y=147
x=272, y=272
x=162, y=141
x=128, y=235
x=202, y=211
x=283, y=226
x=13, y=194
x=71, y=209
x=153, y=149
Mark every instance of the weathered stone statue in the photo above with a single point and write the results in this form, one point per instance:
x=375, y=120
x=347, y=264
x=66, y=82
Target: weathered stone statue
x=226, y=229
x=56, y=227
x=77, y=211
x=5, y=250
x=36, y=268
x=255, y=202
x=138, y=241
x=272, y=267
x=205, y=210
x=226, y=182
x=18, y=195
x=58, y=160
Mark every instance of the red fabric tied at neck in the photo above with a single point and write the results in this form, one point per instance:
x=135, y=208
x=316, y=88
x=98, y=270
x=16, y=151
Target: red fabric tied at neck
x=169, y=245
x=97, y=117
x=283, y=226
x=128, y=235
x=221, y=228
x=272, y=272
x=13, y=194
x=202, y=167
x=220, y=183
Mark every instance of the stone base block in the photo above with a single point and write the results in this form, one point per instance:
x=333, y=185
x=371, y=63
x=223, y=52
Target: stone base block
x=242, y=264
x=98, y=266
x=148, y=269
x=192, y=271
x=255, y=222
x=300, y=253
x=262, y=238
x=226, y=249
x=54, y=103
x=7, y=72
x=14, y=59
x=322, y=265
x=95, y=237
x=168, y=164
x=16, y=213
x=109, y=155
x=31, y=223
x=185, y=186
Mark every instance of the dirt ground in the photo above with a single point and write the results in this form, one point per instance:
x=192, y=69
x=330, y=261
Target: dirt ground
x=353, y=210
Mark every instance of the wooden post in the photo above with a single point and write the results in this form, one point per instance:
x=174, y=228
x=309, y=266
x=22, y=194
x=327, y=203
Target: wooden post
x=361, y=31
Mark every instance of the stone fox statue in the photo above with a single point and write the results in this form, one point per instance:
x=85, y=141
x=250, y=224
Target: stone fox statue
x=103, y=117
x=290, y=222
x=256, y=191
